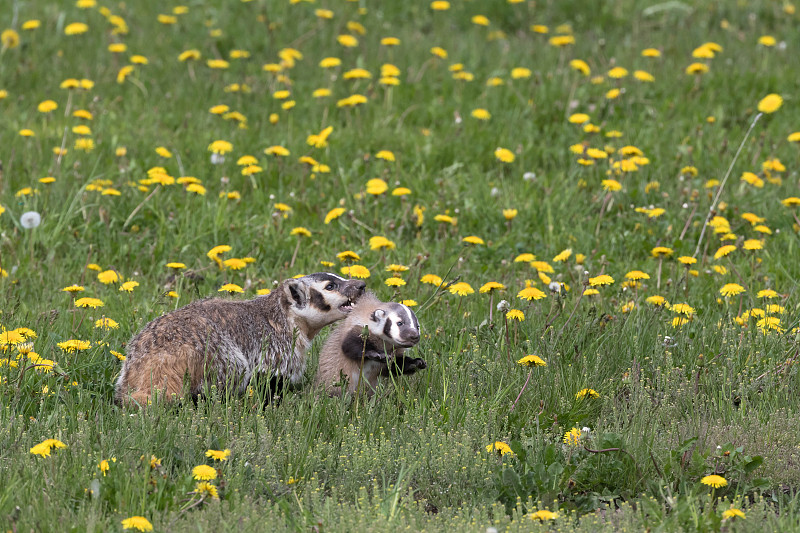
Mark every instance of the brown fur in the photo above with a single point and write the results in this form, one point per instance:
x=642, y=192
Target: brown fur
x=225, y=342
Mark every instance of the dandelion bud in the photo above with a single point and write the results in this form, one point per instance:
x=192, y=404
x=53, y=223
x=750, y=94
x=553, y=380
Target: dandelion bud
x=30, y=219
x=503, y=306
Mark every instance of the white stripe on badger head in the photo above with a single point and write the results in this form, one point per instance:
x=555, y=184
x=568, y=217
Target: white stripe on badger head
x=336, y=276
x=411, y=318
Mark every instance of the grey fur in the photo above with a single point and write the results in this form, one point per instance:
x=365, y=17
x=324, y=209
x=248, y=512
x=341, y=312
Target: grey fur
x=226, y=342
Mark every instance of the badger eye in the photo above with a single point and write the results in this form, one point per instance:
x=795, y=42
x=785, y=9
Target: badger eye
x=400, y=323
x=330, y=287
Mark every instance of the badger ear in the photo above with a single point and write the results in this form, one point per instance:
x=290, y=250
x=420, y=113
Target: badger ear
x=378, y=314
x=296, y=291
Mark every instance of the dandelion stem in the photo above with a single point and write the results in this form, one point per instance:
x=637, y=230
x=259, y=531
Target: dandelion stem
x=508, y=343
x=658, y=272
x=294, y=255
x=560, y=331
x=722, y=185
x=513, y=405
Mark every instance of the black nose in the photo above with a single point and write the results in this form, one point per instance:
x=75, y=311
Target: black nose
x=360, y=286
x=414, y=338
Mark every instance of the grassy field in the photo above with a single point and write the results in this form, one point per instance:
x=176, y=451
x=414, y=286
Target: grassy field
x=606, y=186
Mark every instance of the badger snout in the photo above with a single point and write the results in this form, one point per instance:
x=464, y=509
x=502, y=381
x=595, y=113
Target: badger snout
x=410, y=339
x=354, y=289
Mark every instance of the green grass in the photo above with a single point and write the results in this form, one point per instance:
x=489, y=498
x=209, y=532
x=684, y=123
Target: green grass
x=676, y=403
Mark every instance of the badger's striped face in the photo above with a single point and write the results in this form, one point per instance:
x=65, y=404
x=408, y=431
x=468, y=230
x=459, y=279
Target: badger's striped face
x=323, y=298
x=395, y=324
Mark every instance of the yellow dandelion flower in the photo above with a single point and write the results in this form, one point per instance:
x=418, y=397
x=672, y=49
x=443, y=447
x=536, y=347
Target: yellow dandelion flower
x=94, y=303
x=461, y=288
x=714, y=481
x=395, y=282
x=481, y=114
x=683, y=309
x=431, y=279
x=661, y=251
x=696, y=68
x=731, y=289
x=601, y=280
x=500, y=447
x=544, y=514
x=733, y=512
x=578, y=118
x=515, y=314
x=724, y=251
x=301, y=231
x=204, y=488
x=587, y=393
x=617, y=72
x=137, y=522
x=472, y=239
x=76, y=28
x=204, y=473
x=379, y=242
x=73, y=288
x=230, y=288
x=531, y=293
x=504, y=155
x=334, y=214
x=770, y=103
x=532, y=360
x=106, y=323
x=491, y=286
x=44, y=447
x=219, y=455
x=108, y=276
x=348, y=255
x=573, y=437
x=377, y=186
x=356, y=271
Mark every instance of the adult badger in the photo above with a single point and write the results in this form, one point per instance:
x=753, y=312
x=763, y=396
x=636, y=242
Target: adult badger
x=225, y=342
x=369, y=344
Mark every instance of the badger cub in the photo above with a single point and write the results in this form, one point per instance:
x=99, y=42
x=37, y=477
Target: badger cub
x=369, y=344
x=226, y=342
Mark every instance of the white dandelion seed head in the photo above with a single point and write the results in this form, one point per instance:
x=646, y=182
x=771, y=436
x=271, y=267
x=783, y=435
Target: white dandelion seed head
x=529, y=176
x=224, y=180
x=217, y=159
x=495, y=191
x=30, y=219
x=503, y=306
x=554, y=287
